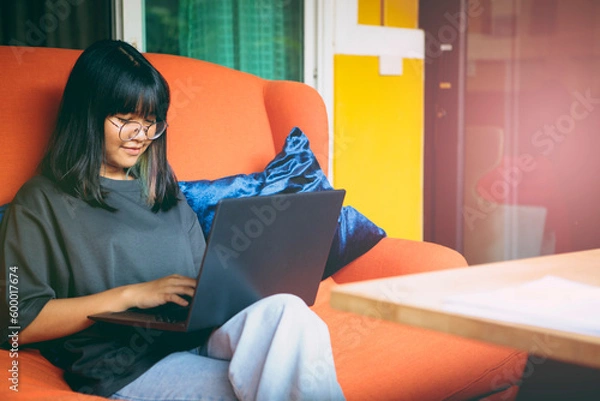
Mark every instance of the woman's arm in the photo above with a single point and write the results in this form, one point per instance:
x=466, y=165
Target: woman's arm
x=63, y=317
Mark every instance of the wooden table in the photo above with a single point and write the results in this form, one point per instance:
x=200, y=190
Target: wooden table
x=417, y=300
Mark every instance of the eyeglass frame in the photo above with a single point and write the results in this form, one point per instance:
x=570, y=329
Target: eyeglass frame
x=145, y=129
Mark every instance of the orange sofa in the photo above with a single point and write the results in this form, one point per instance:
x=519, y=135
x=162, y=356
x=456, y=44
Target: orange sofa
x=224, y=122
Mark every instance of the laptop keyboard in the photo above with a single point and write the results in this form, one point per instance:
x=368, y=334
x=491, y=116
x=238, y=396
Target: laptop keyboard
x=168, y=313
x=175, y=316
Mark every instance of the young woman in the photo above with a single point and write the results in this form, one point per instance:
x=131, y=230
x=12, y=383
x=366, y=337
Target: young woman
x=84, y=236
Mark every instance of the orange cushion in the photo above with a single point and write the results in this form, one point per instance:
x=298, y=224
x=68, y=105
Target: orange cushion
x=38, y=380
x=395, y=256
x=380, y=360
x=30, y=100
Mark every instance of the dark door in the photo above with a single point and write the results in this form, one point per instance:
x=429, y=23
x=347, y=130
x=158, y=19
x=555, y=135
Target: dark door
x=444, y=23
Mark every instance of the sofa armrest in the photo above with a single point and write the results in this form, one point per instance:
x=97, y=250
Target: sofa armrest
x=394, y=257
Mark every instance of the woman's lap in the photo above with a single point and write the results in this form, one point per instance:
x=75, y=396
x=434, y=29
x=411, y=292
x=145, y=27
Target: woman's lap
x=276, y=348
x=182, y=376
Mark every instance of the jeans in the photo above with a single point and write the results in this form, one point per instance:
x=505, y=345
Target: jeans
x=276, y=349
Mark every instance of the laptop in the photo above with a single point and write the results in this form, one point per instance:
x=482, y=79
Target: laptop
x=257, y=247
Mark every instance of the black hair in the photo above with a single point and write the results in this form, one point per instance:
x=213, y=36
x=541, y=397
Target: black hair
x=109, y=77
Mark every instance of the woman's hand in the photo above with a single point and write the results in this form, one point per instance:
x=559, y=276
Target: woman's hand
x=159, y=292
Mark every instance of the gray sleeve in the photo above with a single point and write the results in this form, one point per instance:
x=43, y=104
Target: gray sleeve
x=197, y=241
x=28, y=253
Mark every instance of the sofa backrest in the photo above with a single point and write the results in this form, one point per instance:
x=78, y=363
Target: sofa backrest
x=221, y=121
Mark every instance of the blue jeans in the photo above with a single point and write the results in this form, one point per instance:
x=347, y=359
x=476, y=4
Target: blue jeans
x=276, y=349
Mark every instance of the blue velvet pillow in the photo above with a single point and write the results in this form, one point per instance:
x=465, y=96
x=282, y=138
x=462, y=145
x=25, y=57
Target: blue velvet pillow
x=294, y=169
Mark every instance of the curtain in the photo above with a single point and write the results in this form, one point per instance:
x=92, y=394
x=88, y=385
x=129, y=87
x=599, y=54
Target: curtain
x=262, y=37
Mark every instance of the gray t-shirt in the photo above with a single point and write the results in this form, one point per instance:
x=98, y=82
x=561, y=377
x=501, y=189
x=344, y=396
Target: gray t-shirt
x=58, y=246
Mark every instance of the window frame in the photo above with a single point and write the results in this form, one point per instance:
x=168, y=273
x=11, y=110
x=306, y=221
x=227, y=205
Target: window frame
x=318, y=46
x=134, y=33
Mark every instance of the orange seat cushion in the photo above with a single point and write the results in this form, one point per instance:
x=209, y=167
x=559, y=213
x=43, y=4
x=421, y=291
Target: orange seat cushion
x=408, y=363
x=36, y=379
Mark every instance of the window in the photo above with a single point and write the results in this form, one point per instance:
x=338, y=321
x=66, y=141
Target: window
x=262, y=37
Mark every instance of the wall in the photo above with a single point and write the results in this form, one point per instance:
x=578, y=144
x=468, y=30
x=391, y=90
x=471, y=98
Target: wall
x=378, y=112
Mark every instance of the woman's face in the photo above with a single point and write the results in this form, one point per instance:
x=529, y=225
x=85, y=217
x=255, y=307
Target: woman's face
x=120, y=155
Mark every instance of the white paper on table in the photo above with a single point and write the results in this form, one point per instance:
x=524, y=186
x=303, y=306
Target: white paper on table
x=550, y=301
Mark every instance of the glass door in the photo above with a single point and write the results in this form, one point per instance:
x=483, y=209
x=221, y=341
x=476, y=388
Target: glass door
x=531, y=129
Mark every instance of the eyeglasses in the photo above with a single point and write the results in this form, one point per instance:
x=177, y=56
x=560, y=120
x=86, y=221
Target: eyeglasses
x=131, y=129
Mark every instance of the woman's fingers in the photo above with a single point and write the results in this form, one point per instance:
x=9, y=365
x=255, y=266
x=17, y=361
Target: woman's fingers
x=167, y=289
x=177, y=299
x=182, y=281
x=175, y=294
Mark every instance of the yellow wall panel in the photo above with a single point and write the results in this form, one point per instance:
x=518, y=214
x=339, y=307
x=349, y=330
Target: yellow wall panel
x=401, y=13
x=396, y=13
x=369, y=12
x=378, y=142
